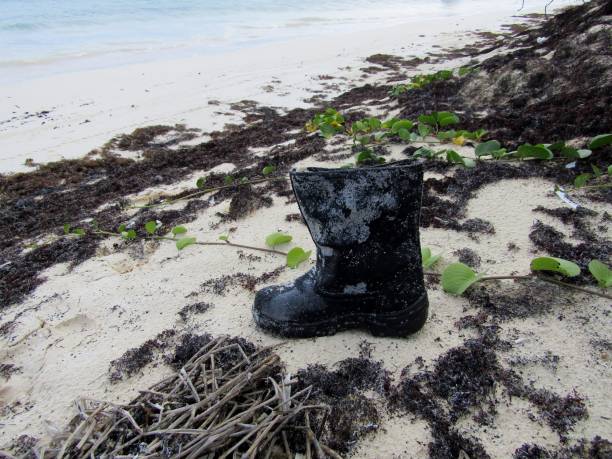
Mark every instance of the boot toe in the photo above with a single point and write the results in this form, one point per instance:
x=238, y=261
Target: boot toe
x=287, y=309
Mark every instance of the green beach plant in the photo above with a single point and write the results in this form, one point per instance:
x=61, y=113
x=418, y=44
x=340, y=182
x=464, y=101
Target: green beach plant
x=428, y=259
x=458, y=277
x=601, y=272
x=423, y=80
x=274, y=239
x=328, y=123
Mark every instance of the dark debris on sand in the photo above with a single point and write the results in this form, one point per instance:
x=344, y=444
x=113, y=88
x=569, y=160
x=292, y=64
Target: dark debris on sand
x=135, y=359
x=352, y=413
x=462, y=382
x=191, y=309
x=553, y=242
x=519, y=299
x=190, y=343
x=221, y=285
x=597, y=448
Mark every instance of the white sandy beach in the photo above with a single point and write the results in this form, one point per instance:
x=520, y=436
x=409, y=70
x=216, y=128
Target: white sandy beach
x=78, y=321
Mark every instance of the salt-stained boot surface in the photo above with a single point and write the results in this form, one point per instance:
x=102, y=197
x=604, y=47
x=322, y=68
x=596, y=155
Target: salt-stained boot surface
x=365, y=224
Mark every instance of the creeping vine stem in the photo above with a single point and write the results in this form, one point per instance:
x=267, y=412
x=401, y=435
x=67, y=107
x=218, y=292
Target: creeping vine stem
x=226, y=243
x=541, y=277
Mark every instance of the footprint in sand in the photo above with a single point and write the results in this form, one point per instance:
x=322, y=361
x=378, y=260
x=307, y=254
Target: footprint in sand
x=123, y=265
x=79, y=322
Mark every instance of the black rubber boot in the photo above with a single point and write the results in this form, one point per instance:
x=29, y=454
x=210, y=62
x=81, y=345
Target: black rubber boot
x=365, y=224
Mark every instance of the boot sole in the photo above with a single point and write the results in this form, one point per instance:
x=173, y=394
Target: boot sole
x=393, y=324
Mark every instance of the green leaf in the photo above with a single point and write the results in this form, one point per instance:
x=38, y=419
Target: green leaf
x=296, y=256
x=151, y=227
x=610, y=170
x=78, y=231
x=424, y=130
x=573, y=153
x=179, y=230
x=428, y=260
x=228, y=179
x=487, y=148
x=121, y=228
x=426, y=153
x=600, y=141
x=368, y=155
x=357, y=126
x=446, y=135
x=375, y=123
x=596, y=170
x=584, y=153
x=201, y=182
x=468, y=162
x=447, y=118
x=129, y=235
x=499, y=154
x=224, y=237
x=274, y=239
x=464, y=71
x=582, y=179
x=404, y=134
x=479, y=133
x=453, y=157
x=184, y=242
x=557, y=146
x=379, y=136
x=327, y=130
x=401, y=124
x=557, y=265
x=601, y=272
x=66, y=228
x=268, y=170
x=364, y=140
x=389, y=123
x=457, y=278
x=427, y=119
x=534, y=151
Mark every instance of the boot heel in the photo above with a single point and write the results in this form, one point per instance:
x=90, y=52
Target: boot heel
x=402, y=323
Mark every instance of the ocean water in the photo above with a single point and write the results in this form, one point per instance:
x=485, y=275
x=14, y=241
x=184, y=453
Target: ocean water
x=56, y=35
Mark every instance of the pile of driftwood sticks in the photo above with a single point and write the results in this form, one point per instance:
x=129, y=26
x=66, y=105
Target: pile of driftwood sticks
x=222, y=403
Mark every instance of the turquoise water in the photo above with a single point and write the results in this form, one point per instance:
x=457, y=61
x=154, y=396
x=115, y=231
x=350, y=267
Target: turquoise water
x=57, y=34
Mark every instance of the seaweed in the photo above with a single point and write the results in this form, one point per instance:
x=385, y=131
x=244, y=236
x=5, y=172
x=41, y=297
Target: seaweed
x=553, y=242
x=517, y=300
x=596, y=448
x=8, y=369
x=468, y=256
x=135, y=359
x=195, y=308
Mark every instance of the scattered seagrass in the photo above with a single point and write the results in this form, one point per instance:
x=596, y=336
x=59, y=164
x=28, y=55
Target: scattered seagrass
x=227, y=400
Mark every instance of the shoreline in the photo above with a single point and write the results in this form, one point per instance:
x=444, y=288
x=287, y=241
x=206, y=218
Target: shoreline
x=68, y=115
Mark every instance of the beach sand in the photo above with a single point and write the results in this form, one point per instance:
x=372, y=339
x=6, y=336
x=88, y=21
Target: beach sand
x=62, y=338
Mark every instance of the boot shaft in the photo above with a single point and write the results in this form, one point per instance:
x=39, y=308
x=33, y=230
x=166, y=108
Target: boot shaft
x=365, y=224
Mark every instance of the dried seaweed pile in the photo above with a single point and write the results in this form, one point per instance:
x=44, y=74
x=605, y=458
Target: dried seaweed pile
x=221, y=403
